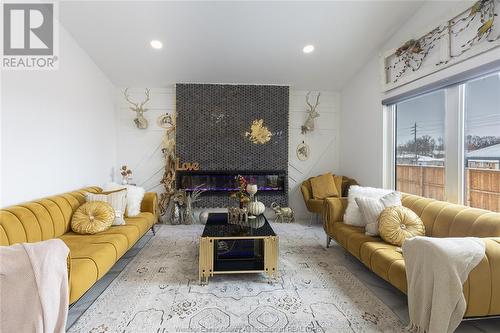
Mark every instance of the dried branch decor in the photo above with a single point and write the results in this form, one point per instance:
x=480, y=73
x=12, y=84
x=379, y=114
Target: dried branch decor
x=168, y=179
x=452, y=40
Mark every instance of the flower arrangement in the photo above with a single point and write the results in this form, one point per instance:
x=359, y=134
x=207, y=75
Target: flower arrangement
x=126, y=174
x=242, y=194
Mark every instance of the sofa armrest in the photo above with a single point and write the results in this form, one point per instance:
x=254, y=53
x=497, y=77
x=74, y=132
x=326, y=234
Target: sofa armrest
x=482, y=288
x=150, y=204
x=306, y=194
x=333, y=212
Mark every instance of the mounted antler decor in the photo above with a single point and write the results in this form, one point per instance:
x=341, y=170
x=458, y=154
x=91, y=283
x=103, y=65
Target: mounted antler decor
x=312, y=114
x=140, y=121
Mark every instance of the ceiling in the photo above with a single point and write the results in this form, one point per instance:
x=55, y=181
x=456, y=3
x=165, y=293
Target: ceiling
x=233, y=42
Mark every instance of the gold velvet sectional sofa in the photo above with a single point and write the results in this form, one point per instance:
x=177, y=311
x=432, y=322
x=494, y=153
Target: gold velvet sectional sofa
x=91, y=256
x=441, y=219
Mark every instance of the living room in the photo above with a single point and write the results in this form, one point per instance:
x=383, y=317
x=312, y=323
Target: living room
x=250, y=166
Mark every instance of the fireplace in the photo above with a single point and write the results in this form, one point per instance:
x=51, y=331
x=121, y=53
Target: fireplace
x=221, y=182
x=211, y=130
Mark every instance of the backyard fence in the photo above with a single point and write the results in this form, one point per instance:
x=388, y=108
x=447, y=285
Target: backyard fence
x=482, y=185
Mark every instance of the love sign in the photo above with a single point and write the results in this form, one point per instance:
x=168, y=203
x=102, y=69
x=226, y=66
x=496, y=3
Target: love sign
x=186, y=166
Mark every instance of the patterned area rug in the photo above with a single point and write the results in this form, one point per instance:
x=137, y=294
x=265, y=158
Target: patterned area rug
x=159, y=292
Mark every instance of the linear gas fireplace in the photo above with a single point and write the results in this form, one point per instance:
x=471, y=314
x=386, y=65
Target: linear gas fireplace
x=225, y=181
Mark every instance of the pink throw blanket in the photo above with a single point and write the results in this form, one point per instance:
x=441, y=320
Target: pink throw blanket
x=34, y=287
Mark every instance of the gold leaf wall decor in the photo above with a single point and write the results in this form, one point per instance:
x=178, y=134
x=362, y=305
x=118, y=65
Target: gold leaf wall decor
x=259, y=134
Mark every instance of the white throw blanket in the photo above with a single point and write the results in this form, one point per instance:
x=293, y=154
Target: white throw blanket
x=436, y=269
x=34, y=287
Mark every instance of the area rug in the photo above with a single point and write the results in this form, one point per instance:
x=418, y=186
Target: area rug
x=159, y=292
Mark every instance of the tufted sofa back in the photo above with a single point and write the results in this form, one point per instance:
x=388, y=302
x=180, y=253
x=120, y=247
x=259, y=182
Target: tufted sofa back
x=443, y=219
x=40, y=219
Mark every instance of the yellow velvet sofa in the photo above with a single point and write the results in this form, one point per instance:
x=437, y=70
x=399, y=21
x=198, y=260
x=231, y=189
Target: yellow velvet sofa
x=91, y=256
x=441, y=219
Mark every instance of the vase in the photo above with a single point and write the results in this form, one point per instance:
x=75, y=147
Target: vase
x=256, y=208
x=252, y=189
x=188, y=212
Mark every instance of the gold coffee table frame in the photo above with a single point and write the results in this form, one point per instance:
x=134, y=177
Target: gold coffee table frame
x=206, y=258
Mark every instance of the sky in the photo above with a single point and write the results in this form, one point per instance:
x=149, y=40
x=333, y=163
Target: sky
x=482, y=105
x=482, y=102
x=427, y=111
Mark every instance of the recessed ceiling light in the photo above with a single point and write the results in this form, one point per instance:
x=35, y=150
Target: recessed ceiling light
x=308, y=48
x=156, y=44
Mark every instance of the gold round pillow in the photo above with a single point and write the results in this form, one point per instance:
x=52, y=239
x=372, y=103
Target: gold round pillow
x=92, y=217
x=397, y=223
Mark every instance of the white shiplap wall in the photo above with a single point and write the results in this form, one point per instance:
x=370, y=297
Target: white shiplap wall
x=323, y=143
x=141, y=150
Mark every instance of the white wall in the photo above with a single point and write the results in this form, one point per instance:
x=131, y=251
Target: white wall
x=361, y=127
x=57, y=127
x=141, y=151
x=361, y=148
x=323, y=143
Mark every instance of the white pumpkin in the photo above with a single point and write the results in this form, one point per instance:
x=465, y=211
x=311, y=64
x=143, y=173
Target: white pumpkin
x=256, y=208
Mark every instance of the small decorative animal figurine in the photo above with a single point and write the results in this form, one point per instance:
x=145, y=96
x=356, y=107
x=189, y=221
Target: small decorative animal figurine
x=312, y=114
x=140, y=121
x=283, y=214
x=237, y=215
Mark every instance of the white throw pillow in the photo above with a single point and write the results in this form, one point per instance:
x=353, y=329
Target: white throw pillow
x=135, y=194
x=117, y=200
x=352, y=215
x=371, y=209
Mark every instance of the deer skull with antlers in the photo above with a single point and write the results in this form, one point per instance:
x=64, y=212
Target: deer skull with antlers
x=140, y=121
x=312, y=114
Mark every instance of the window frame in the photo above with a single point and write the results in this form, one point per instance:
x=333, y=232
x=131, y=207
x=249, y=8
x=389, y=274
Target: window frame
x=454, y=140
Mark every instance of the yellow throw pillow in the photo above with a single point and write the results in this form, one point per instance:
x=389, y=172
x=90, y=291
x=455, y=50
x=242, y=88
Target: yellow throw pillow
x=338, y=184
x=324, y=186
x=92, y=217
x=397, y=223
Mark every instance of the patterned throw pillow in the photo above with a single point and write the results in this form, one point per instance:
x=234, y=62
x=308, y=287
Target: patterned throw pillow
x=398, y=223
x=117, y=199
x=135, y=194
x=92, y=217
x=352, y=215
x=371, y=208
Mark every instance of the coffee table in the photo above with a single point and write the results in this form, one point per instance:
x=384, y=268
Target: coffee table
x=250, y=247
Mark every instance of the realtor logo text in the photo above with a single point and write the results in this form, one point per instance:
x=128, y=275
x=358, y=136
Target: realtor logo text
x=29, y=36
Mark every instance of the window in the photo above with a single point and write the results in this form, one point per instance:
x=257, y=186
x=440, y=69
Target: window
x=482, y=143
x=420, y=154
x=446, y=144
